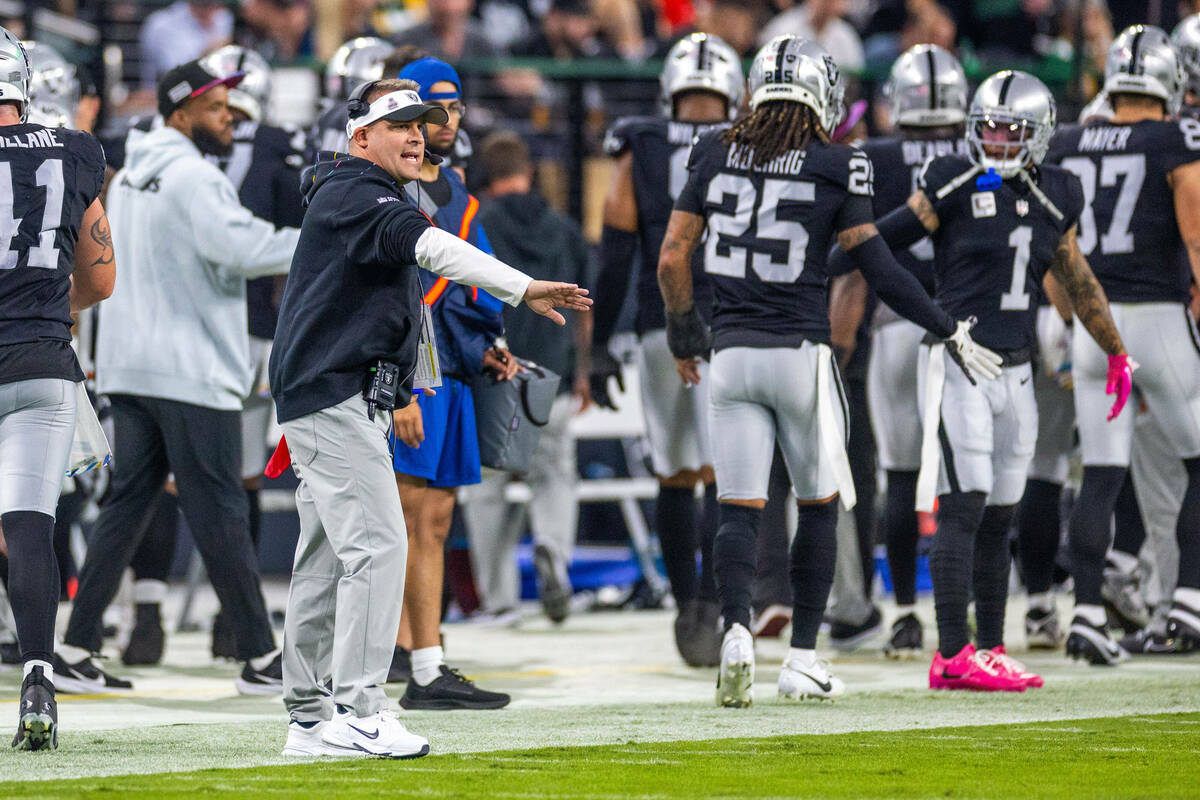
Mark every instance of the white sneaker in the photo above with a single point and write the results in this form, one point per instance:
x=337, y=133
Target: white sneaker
x=798, y=681
x=735, y=679
x=380, y=734
x=306, y=742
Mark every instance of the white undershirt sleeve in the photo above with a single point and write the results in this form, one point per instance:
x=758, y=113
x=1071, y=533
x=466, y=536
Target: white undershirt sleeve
x=447, y=255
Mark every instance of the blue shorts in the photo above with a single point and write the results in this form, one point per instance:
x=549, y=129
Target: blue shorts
x=449, y=456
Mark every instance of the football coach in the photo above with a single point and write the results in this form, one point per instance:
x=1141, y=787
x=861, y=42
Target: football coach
x=349, y=321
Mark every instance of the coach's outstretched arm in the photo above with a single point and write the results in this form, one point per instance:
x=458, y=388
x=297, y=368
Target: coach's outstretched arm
x=447, y=255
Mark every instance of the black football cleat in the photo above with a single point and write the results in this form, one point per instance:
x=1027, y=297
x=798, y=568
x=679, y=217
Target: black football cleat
x=1086, y=641
x=146, y=639
x=37, y=726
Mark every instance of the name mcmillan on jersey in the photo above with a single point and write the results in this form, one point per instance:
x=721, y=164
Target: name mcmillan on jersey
x=40, y=138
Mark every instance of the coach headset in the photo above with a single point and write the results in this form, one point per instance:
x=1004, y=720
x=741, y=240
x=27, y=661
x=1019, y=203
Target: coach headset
x=357, y=106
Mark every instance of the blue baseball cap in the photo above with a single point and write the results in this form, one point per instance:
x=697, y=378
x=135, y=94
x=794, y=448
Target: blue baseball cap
x=428, y=71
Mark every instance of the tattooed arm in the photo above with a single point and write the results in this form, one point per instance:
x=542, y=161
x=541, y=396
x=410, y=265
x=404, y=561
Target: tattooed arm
x=95, y=271
x=675, y=260
x=1072, y=272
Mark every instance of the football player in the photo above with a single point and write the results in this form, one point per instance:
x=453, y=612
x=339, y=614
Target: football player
x=59, y=260
x=771, y=193
x=1186, y=41
x=927, y=92
x=702, y=87
x=1141, y=183
x=1000, y=221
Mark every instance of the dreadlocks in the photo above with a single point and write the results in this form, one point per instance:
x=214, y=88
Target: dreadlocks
x=774, y=128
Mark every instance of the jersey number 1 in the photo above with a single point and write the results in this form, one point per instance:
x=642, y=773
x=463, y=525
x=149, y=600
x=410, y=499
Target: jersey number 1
x=1016, y=298
x=44, y=254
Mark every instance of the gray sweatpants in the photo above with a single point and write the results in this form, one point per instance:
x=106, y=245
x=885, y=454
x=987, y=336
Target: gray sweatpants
x=348, y=578
x=494, y=527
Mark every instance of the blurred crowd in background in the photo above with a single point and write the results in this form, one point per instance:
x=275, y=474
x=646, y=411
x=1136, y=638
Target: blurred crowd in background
x=559, y=71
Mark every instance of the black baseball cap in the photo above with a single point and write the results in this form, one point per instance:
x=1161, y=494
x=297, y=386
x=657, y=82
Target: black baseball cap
x=189, y=80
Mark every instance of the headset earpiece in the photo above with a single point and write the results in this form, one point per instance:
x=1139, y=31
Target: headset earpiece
x=356, y=104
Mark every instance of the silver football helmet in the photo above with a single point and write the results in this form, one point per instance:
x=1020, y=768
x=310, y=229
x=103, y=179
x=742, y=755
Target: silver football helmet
x=1010, y=122
x=14, y=71
x=927, y=87
x=702, y=61
x=354, y=63
x=799, y=71
x=1186, y=41
x=1142, y=61
x=53, y=81
x=250, y=96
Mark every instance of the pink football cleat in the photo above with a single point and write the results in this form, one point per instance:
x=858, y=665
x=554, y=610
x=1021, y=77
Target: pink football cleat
x=1030, y=679
x=973, y=671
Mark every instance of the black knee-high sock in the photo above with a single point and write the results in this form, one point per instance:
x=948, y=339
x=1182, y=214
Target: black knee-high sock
x=951, y=564
x=675, y=519
x=900, y=529
x=1039, y=526
x=733, y=562
x=1187, y=529
x=32, y=581
x=1089, y=530
x=255, y=516
x=1129, y=530
x=710, y=520
x=992, y=556
x=814, y=554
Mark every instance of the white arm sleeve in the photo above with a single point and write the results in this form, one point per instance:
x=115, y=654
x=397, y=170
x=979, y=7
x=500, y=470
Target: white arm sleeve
x=447, y=255
x=231, y=238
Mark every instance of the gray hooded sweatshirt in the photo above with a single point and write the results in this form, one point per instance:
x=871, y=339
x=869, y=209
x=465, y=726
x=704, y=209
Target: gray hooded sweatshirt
x=175, y=326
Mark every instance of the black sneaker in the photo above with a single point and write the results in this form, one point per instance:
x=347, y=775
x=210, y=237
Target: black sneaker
x=1152, y=643
x=401, y=669
x=265, y=681
x=10, y=655
x=224, y=641
x=907, y=639
x=146, y=638
x=553, y=583
x=37, y=726
x=84, y=677
x=1183, y=622
x=697, y=633
x=1086, y=641
x=448, y=691
x=846, y=636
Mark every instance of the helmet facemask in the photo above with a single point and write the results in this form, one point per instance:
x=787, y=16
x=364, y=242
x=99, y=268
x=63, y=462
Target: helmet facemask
x=1004, y=143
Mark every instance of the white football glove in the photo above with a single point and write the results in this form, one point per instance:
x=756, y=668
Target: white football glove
x=974, y=360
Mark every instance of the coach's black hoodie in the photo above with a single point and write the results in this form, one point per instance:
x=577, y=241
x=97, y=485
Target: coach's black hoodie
x=352, y=295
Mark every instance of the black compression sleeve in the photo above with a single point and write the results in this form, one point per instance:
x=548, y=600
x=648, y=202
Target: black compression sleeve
x=617, y=249
x=901, y=228
x=898, y=288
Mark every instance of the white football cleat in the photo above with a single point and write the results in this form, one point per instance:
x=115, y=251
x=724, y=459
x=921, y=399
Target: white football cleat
x=735, y=678
x=306, y=742
x=379, y=734
x=799, y=681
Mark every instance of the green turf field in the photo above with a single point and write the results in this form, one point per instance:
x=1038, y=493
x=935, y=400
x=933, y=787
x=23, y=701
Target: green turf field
x=1155, y=756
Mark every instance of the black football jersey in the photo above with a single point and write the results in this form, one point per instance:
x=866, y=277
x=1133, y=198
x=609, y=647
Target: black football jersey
x=993, y=246
x=48, y=178
x=769, y=233
x=660, y=148
x=1127, y=230
x=898, y=164
x=265, y=167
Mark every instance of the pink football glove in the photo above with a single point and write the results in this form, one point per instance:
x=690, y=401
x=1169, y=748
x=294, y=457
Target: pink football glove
x=1120, y=381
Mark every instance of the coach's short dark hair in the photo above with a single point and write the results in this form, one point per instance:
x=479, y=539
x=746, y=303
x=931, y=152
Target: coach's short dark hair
x=405, y=54
x=389, y=85
x=504, y=154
